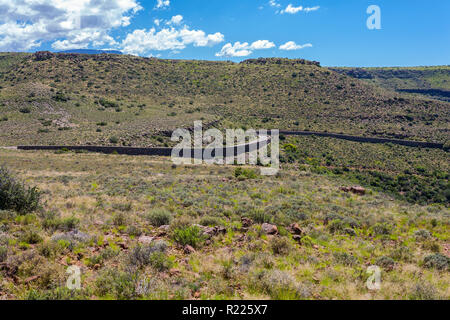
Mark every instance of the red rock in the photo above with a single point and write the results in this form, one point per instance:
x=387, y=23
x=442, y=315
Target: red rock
x=145, y=239
x=358, y=190
x=295, y=228
x=188, y=249
x=268, y=228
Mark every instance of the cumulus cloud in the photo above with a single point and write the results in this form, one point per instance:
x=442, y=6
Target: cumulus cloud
x=175, y=20
x=161, y=4
x=243, y=49
x=262, y=44
x=142, y=41
x=291, y=45
x=26, y=24
x=293, y=10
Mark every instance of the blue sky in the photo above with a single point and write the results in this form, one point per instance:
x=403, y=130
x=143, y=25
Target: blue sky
x=334, y=32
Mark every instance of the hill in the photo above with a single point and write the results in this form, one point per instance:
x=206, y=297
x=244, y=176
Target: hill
x=432, y=82
x=49, y=98
x=91, y=51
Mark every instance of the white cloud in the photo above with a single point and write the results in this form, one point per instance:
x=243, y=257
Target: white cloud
x=293, y=10
x=161, y=4
x=142, y=41
x=25, y=24
x=236, y=50
x=262, y=44
x=243, y=49
x=175, y=20
x=274, y=4
x=291, y=45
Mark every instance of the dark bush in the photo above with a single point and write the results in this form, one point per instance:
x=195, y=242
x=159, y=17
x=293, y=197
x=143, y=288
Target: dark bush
x=159, y=217
x=437, y=261
x=14, y=195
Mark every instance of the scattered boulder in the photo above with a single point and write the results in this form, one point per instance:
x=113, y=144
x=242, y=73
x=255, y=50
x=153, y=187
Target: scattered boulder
x=246, y=222
x=355, y=189
x=163, y=230
x=268, y=228
x=295, y=229
x=214, y=231
x=145, y=239
x=188, y=249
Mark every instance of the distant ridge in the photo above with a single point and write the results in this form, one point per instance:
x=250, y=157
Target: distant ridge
x=91, y=51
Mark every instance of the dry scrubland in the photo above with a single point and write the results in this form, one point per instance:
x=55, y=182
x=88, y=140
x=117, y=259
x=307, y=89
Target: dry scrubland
x=99, y=210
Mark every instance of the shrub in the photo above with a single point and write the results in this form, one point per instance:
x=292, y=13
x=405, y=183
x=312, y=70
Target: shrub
x=280, y=285
x=423, y=291
x=381, y=229
x=243, y=173
x=153, y=254
x=159, y=217
x=120, y=284
x=210, y=221
x=402, y=253
x=191, y=235
x=385, y=262
x=3, y=253
x=30, y=237
x=422, y=234
x=280, y=245
x=108, y=104
x=119, y=219
x=345, y=258
x=14, y=195
x=114, y=140
x=437, y=261
x=25, y=110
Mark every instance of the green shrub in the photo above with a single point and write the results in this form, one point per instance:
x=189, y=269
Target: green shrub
x=280, y=245
x=30, y=237
x=191, y=235
x=423, y=291
x=114, y=140
x=437, y=261
x=381, y=229
x=210, y=221
x=279, y=285
x=159, y=217
x=25, y=110
x=345, y=258
x=119, y=284
x=3, y=253
x=243, y=173
x=108, y=104
x=385, y=262
x=14, y=195
x=143, y=255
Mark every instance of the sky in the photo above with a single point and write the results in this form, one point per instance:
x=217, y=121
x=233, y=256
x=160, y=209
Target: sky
x=334, y=32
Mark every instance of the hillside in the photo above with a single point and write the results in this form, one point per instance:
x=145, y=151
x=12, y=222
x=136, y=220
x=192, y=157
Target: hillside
x=431, y=82
x=61, y=98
